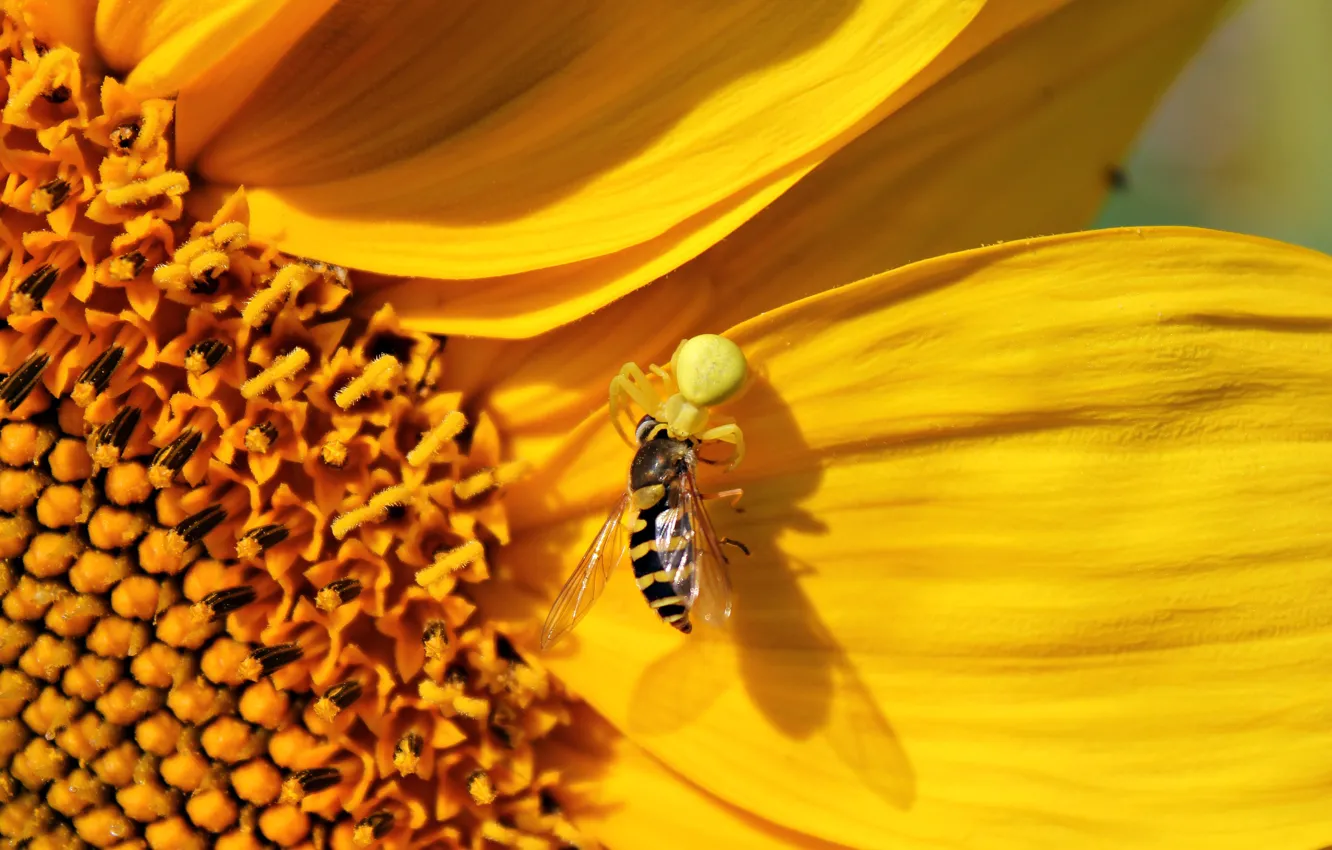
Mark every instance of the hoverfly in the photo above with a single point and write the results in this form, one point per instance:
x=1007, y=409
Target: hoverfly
x=661, y=521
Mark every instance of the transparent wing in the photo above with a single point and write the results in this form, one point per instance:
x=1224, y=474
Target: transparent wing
x=691, y=553
x=588, y=579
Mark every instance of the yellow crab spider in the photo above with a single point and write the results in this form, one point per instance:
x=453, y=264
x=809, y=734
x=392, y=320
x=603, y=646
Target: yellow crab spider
x=705, y=371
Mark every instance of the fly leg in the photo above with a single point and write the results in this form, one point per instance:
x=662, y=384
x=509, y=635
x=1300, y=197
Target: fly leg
x=733, y=496
x=727, y=434
x=726, y=541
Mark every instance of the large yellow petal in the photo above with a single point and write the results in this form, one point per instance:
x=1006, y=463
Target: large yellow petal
x=470, y=140
x=1014, y=143
x=1040, y=556
x=528, y=303
x=629, y=799
x=1019, y=142
x=167, y=45
x=67, y=22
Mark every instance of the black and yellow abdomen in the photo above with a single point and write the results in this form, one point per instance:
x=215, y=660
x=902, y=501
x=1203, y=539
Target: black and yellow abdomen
x=654, y=471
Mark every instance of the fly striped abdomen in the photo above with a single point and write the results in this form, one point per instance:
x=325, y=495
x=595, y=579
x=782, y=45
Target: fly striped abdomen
x=652, y=579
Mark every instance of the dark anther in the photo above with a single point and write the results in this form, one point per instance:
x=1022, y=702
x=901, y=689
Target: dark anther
x=209, y=351
x=59, y=94
x=58, y=190
x=372, y=828
x=270, y=659
x=262, y=435
x=338, y=592
x=344, y=694
x=124, y=135
x=206, y=285
x=37, y=284
x=398, y=347
x=219, y=603
x=505, y=650
x=195, y=527
x=19, y=383
x=136, y=263
x=97, y=374
x=502, y=735
x=174, y=454
x=549, y=805
x=267, y=535
x=456, y=676
x=315, y=779
x=116, y=433
x=435, y=630
x=409, y=745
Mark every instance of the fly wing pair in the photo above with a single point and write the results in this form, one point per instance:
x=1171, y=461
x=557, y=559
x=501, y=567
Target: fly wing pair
x=698, y=569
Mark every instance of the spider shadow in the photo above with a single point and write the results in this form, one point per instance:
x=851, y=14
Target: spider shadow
x=775, y=643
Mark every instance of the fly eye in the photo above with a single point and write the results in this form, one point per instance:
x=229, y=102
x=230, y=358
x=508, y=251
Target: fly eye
x=645, y=426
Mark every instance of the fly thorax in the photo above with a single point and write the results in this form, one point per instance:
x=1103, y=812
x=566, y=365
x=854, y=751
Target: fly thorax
x=657, y=462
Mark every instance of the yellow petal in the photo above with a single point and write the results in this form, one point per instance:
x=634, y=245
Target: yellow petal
x=528, y=303
x=1040, y=555
x=67, y=22
x=621, y=790
x=166, y=45
x=470, y=141
x=1019, y=142
x=1015, y=143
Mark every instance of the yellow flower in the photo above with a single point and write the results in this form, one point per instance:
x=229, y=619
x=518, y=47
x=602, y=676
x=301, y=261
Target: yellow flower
x=998, y=592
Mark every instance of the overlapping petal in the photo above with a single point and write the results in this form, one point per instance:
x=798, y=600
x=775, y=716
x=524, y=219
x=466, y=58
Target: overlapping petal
x=67, y=22
x=167, y=46
x=1017, y=142
x=527, y=303
x=629, y=799
x=476, y=140
x=1040, y=553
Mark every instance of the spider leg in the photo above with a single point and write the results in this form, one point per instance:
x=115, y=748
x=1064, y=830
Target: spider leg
x=631, y=385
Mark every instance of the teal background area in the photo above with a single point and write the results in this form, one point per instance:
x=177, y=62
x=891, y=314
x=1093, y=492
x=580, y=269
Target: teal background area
x=1243, y=140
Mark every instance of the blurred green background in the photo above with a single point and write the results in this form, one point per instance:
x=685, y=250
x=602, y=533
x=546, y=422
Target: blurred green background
x=1243, y=140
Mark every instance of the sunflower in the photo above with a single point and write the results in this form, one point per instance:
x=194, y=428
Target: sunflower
x=1027, y=564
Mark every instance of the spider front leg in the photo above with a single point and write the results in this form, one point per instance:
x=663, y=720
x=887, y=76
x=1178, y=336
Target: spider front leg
x=727, y=434
x=632, y=384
